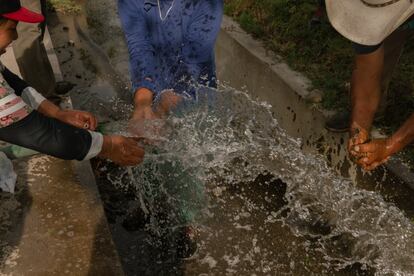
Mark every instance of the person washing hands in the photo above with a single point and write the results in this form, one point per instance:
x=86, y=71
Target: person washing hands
x=378, y=30
x=27, y=119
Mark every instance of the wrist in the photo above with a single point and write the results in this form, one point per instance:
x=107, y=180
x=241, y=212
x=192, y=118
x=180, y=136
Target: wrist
x=107, y=146
x=49, y=109
x=393, y=145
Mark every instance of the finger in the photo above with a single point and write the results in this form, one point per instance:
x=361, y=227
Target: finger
x=362, y=162
x=356, y=154
x=132, y=160
x=94, y=122
x=356, y=139
x=136, y=152
x=369, y=147
x=90, y=121
x=133, y=148
x=138, y=139
x=351, y=144
x=365, y=157
x=80, y=120
x=77, y=123
x=145, y=140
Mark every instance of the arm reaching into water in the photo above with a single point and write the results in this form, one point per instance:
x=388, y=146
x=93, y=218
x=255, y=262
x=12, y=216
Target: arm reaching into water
x=199, y=26
x=365, y=96
x=55, y=132
x=142, y=62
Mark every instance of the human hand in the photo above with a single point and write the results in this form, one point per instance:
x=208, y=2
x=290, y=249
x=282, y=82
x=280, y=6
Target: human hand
x=373, y=153
x=168, y=101
x=357, y=136
x=146, y=123
x=79, y=119
x=122, y=150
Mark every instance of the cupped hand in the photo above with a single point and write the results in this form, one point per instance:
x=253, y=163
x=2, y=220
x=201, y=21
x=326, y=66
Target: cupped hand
x=373, y=153
x=357, y=136
x=79, y=119
x=122, y=150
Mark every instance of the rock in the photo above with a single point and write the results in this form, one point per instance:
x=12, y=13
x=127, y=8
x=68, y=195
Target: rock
x=314, y=96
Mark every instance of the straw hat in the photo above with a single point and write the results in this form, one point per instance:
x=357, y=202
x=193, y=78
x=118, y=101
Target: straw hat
x=368, y=22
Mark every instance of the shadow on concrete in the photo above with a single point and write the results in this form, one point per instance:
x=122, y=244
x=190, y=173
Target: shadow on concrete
x=13, y=211
x=104, y=258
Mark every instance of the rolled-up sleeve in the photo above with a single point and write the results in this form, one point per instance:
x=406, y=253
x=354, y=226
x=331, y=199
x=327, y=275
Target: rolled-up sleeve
x=141, y=51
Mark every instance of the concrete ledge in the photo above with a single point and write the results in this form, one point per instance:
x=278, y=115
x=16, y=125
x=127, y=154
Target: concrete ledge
x=55, y=223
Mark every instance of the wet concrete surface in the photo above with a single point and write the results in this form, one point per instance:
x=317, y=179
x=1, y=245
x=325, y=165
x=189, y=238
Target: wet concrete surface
x=54, y=224
x=139, y=255
x=235, y=239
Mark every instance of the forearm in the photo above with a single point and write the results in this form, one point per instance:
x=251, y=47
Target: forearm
x=403, y=137
x=366, y=88
x=52, y=137
x=48, y=109
x=364, y=101
x=35, y=100
x=141, y=51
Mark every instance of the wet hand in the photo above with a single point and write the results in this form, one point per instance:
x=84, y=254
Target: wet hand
x=373, y=153
x=79, y=119
x=357, y=136
x=122, y=150
x=168, y=101
x=146, y=123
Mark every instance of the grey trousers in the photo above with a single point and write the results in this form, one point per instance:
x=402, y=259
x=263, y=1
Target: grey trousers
x=31, y=54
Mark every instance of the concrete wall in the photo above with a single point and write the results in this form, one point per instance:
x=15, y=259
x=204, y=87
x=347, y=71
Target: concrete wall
x=244, y=64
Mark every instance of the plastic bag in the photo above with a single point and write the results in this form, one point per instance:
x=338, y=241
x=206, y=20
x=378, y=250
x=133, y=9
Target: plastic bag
x=7, y=175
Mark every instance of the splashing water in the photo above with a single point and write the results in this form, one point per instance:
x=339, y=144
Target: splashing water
x=261, y=204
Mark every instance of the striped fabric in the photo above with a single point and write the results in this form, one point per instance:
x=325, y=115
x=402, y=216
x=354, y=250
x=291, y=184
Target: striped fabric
x=12, y=107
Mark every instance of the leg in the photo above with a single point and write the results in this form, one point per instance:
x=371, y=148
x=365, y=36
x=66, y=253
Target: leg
x=393, y=47
x=31, y=54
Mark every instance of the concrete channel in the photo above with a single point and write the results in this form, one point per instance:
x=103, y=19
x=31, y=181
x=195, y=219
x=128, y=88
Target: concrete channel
x=81, y=242
x=243, y=63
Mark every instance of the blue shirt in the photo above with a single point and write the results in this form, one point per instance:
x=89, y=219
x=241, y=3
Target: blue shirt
x=171, y=46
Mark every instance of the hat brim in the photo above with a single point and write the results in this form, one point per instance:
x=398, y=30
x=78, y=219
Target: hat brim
x=25, y=15
x=367, y=25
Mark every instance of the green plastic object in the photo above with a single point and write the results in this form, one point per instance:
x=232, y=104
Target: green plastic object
x=15, y=152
